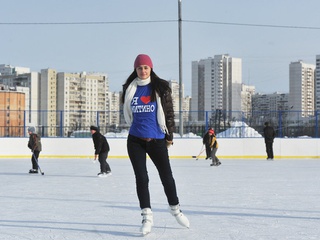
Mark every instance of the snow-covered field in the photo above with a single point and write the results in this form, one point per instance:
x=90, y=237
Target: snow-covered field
x=241, y=199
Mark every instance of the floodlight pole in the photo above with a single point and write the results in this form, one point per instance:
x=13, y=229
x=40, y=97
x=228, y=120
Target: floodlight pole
x=180, y=71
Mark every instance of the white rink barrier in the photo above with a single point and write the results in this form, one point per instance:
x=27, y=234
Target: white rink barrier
x=229, y=148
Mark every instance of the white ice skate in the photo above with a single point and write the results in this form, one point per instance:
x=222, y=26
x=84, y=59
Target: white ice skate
x=104, y=174
x=180, y=217
x=147, y=221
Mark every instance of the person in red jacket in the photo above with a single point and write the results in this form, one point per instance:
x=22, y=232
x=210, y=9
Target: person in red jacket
x=206, y=142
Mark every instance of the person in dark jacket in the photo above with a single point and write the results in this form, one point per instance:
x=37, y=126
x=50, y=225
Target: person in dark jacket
x=102, y=149
x=206, y=142
x=148, y=109
x=269, y=135
x=35, y=145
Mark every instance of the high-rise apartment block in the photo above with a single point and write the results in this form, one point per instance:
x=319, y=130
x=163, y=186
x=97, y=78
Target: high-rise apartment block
x=270, y=102
x=246, y=99
x=84, y=100
x=317, y=84
x=48, y=102
x=302, y=88
x=72, y=100
x=185, y=101
x=115, y=103
x=268, y=106
x=22, y=80
x=216, y=85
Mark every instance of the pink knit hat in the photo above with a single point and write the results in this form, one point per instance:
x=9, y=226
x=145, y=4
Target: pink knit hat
x=143, y=59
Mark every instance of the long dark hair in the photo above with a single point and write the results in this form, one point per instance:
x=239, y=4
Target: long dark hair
x=156, y=85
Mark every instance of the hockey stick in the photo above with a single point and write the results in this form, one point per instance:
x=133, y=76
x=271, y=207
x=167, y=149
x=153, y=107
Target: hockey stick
x=200, y=154
x=201, y=151
x=42, y=173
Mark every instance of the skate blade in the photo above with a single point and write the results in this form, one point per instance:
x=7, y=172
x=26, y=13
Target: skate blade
x=145, y=233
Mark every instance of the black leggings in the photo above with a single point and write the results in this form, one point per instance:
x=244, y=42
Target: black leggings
x=158, y=152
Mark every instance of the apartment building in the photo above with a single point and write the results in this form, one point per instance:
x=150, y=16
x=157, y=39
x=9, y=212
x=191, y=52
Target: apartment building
x=47, y=117
x=246, y=99
x=21, y=79
x=115, y=102
x=317, y=84
x=185, y=101
x=12, y=113
x=84, y=99
x=216, y=85
x=6, y=69
x=302, y=87
x=267, y=106
x=270, y=102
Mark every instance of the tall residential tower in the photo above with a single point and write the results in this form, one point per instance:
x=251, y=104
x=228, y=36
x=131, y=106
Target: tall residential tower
x=301, y=88
x=216, y=85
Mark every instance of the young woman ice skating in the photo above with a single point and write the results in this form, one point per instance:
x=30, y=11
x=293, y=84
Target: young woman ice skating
x=148, y=108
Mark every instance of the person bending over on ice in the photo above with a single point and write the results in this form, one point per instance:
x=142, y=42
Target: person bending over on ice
x=214, y=148
x=148, y=109
x=206, y=141
x=102, y=149
x=34, y=144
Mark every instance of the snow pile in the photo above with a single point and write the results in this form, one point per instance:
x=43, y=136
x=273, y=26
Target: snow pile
x=239, y=130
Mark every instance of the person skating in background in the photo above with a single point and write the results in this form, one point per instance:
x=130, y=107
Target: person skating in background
x=102, y=149
x=269, y=135
x=214, y=148
x=206, y=142
x=148, y=109
x=35, y=145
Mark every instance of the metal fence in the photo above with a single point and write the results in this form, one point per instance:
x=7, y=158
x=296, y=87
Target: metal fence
x=14, y=123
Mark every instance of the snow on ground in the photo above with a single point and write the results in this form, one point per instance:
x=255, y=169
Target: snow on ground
x=239, y=130
x=241, y=199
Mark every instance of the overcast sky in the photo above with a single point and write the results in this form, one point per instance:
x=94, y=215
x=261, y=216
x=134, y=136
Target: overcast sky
x=266, y=34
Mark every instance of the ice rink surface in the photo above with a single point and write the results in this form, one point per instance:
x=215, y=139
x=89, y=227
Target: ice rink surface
x=241, y=199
